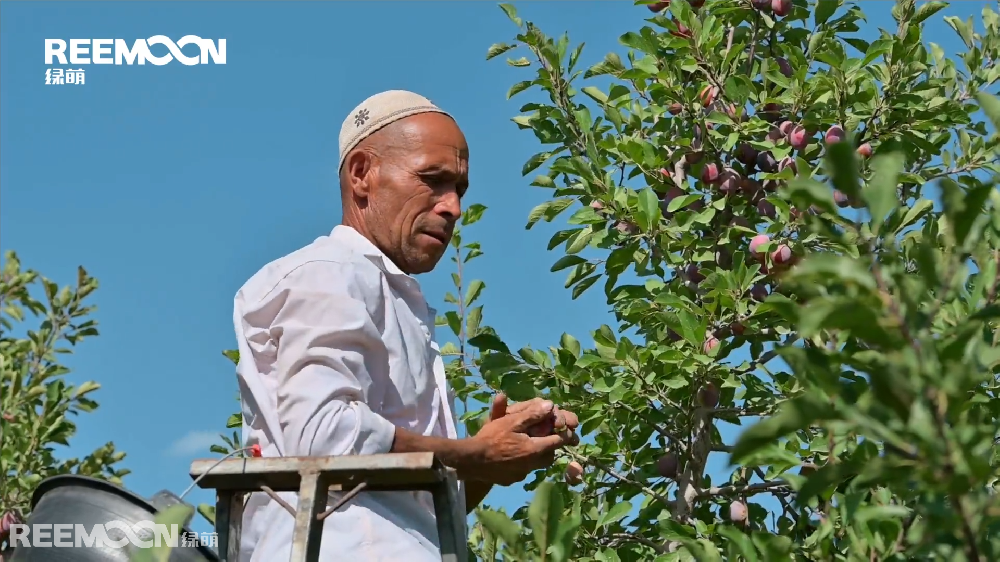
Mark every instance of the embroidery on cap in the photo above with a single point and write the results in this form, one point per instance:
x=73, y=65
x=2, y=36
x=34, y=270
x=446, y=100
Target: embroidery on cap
x=361, y=117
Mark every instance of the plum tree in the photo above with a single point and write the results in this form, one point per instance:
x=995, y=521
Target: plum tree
x=867, y=348
x=39, y=322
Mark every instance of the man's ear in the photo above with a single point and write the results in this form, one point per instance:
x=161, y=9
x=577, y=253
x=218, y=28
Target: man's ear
x=358, y=171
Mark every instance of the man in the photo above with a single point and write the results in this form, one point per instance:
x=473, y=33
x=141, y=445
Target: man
x=337, y=350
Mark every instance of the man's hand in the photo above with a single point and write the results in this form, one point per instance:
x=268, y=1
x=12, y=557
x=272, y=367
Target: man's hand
x=562, y=422
x=507, y=454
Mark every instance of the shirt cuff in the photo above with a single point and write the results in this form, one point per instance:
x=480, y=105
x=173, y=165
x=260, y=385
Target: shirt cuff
x=375, y=433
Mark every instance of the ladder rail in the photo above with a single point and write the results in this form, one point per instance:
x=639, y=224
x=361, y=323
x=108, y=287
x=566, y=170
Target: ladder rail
x=314, y=478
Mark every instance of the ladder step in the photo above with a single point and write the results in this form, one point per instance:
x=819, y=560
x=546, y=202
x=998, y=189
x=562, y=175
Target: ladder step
x=392, y=471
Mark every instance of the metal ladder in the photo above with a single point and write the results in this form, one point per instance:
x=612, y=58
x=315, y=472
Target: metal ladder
x=314, y=478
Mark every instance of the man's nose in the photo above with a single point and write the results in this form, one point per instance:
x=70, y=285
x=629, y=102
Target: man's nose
x=449, y=205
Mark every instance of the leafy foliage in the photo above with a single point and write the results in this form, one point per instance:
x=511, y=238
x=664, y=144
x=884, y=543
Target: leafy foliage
x=37, y=406
x=720, y=226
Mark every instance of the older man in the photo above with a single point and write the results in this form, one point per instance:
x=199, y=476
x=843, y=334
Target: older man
x=337, y=350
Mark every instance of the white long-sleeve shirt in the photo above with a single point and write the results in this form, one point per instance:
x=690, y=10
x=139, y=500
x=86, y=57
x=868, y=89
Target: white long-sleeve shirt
x=336, y=350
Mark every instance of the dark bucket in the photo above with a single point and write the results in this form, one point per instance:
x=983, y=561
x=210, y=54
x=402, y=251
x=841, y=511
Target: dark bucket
x=80, y=500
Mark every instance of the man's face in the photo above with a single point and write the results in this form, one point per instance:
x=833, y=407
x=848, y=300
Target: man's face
x=415, y=196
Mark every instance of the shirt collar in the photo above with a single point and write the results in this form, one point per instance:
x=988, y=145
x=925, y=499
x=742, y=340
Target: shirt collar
x=351, y=236
x=365, y=246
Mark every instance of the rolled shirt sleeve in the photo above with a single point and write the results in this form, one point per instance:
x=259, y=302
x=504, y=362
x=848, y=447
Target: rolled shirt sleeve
x=330, y=364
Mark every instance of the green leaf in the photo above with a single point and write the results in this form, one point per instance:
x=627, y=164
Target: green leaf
x=207, y=511
x=842, y=165
x=880, y=193
x=613, y=515
x=570, y=344
x=511, y=12
x=548, y=210
x=233, y=355
x=518, y=88
x=544, y=514
x=928, y=10
x=567, y=261
x=584, y=285
x=740, y=541
x=595, y=94
x=963, y=206
x=825, y=9
x=649, y=209
x=489, y=342
x=794, y=415
x=473, y=214
x=990, y=105
x=501, y=525
x=914, y=213
x=472, y=293
x=842, y=268
x=498, y=49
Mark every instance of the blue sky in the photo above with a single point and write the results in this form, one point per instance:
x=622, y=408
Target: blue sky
x=173, y=184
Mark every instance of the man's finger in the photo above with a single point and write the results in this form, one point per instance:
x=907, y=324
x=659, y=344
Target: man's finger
x=522, y=406
x=550, y=443
x=531, y=415
x=572, y=420
x=499, y=407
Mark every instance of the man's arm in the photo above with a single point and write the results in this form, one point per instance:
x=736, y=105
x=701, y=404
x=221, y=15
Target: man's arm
x=330, y=364
x=330, y=359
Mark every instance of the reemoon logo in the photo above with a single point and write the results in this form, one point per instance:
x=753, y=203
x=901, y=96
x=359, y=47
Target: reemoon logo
x=113, y=534
x=139, y=53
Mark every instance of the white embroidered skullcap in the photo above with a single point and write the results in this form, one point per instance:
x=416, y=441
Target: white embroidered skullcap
x=377, y=112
